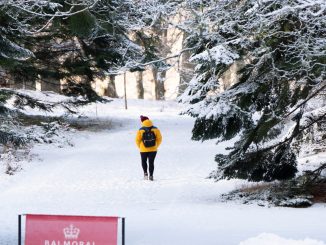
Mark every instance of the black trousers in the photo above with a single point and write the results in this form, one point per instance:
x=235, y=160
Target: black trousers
x=151, y=157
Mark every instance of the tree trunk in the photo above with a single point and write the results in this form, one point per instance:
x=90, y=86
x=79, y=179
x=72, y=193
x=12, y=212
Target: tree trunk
x=111, y=91
x=186, y=67
x=159, y=75
x=140, y=86
x=159, y=79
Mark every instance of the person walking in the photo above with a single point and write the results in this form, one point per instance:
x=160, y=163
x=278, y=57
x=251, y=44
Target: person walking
x=148, y=139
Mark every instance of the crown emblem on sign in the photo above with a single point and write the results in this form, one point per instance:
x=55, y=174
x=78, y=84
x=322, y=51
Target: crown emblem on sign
x=71, y=232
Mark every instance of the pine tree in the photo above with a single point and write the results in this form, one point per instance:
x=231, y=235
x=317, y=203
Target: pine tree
x=55, y=40
x=50, y=41
x=278, y=49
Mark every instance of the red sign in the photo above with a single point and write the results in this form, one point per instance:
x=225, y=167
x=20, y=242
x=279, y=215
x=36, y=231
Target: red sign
x=70, y=230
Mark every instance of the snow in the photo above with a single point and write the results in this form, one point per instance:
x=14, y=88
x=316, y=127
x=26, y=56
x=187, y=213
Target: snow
x=272, y=239
x=219, y=54
x=48, y=98
x=101, y=175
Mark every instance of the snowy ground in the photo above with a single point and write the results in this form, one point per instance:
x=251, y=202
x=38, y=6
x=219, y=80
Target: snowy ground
x=101, y=175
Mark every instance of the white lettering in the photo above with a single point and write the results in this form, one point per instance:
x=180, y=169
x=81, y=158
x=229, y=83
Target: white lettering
x=53, y=242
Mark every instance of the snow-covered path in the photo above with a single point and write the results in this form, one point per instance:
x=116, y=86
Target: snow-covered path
x=101, y=175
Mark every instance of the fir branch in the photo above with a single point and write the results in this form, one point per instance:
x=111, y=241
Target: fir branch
x=311, y=96
x=294, y=134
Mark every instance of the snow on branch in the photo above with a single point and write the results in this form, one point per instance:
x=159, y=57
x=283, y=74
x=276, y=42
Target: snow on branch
x=219, y=54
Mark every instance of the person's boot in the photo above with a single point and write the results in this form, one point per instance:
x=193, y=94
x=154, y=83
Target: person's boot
x=151, y=178
x=145, y=176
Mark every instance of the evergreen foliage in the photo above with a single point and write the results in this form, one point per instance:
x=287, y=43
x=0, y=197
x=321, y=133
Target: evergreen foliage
x=12, y=131
x=76, y=42
x=53, y=41
x=281, y=51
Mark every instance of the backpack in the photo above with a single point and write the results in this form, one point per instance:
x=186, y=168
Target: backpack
x=149, y=138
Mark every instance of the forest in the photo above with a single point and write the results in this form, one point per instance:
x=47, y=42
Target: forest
x=252, y=72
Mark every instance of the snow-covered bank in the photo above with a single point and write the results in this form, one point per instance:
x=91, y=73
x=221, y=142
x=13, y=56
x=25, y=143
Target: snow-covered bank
x=272, y=239
x=101, y=175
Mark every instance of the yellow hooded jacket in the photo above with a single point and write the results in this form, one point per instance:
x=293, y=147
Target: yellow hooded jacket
x=139, y=136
